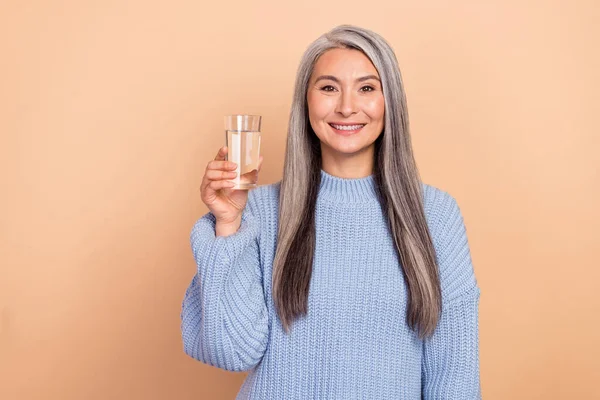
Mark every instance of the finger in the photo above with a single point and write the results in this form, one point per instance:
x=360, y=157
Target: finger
x=218, y=185
x=221, y=165
x=214, y=174
x=211, y=187
x=221, y=153
x=216, y=165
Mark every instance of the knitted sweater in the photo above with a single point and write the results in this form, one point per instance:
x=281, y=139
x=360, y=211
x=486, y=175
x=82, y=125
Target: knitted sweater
x=354, y=343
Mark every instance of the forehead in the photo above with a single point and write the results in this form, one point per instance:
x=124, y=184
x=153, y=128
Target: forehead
x=344, y=62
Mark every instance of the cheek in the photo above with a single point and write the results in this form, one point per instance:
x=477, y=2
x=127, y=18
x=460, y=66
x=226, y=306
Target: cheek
x=319, y=106
x=375, y=108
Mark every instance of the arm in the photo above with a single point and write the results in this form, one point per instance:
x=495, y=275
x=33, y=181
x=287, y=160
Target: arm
x=450, y=363
x=224, y=318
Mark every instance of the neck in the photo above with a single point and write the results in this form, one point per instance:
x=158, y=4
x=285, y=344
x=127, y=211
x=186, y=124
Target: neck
x=347, y=190
x=355, y=166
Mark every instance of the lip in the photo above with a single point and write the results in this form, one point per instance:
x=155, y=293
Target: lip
x=344, y=132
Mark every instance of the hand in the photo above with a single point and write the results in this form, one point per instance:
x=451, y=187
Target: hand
x=225, y=203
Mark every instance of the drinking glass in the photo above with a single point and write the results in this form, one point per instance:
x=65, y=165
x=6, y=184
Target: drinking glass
x=242, y=138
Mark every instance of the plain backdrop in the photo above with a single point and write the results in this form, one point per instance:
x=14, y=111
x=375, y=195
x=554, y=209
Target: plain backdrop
x=110, y=111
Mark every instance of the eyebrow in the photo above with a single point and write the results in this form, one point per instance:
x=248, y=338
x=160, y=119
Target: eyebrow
x=333, y=78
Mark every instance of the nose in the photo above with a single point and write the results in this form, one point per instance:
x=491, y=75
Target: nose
x=346, y=105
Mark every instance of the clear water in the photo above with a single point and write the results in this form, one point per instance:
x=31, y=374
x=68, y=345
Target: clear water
x=244, y=150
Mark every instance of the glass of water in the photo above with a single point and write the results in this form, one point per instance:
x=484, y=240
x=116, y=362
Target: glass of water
x=242, y=138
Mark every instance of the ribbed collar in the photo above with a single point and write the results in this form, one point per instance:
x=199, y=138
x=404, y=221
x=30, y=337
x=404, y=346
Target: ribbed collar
x=347, y=190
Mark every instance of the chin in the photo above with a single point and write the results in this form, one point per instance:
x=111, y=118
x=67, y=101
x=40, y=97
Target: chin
x=349, y=149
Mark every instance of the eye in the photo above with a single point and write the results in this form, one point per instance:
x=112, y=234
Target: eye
x=371, y=88
x=324, y=88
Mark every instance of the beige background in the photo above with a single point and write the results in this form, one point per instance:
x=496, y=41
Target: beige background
x=109, y=112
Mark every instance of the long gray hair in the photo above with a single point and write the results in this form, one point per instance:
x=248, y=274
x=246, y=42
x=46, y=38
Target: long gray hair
x=397, y=179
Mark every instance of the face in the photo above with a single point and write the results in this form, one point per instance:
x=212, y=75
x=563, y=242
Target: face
x=345, y=103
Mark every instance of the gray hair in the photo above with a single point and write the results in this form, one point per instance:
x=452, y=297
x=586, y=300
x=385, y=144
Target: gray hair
x=398, y=183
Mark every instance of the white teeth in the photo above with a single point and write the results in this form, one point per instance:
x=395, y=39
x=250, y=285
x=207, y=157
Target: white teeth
x=347, y=127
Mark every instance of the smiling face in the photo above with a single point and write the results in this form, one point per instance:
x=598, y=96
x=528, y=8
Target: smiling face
x=346, y=110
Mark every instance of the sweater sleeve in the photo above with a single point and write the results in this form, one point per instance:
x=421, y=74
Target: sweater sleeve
x=224, y=318
x=450, y=362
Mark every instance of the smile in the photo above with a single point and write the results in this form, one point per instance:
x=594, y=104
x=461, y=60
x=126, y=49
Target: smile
x=346, y=129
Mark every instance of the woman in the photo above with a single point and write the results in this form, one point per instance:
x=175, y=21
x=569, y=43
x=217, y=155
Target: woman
x=349, y=278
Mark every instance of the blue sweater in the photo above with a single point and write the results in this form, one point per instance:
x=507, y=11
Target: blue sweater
x=354, y=342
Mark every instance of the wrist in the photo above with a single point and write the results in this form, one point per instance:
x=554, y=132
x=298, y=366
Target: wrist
x=226, y=228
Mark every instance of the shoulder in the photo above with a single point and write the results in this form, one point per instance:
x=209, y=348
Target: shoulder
x=264, y=197
x=449, y=235
x=263, y=203
x=440, y=208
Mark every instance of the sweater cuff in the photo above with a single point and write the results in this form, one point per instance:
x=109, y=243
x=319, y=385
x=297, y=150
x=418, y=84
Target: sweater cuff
x=204, y=240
